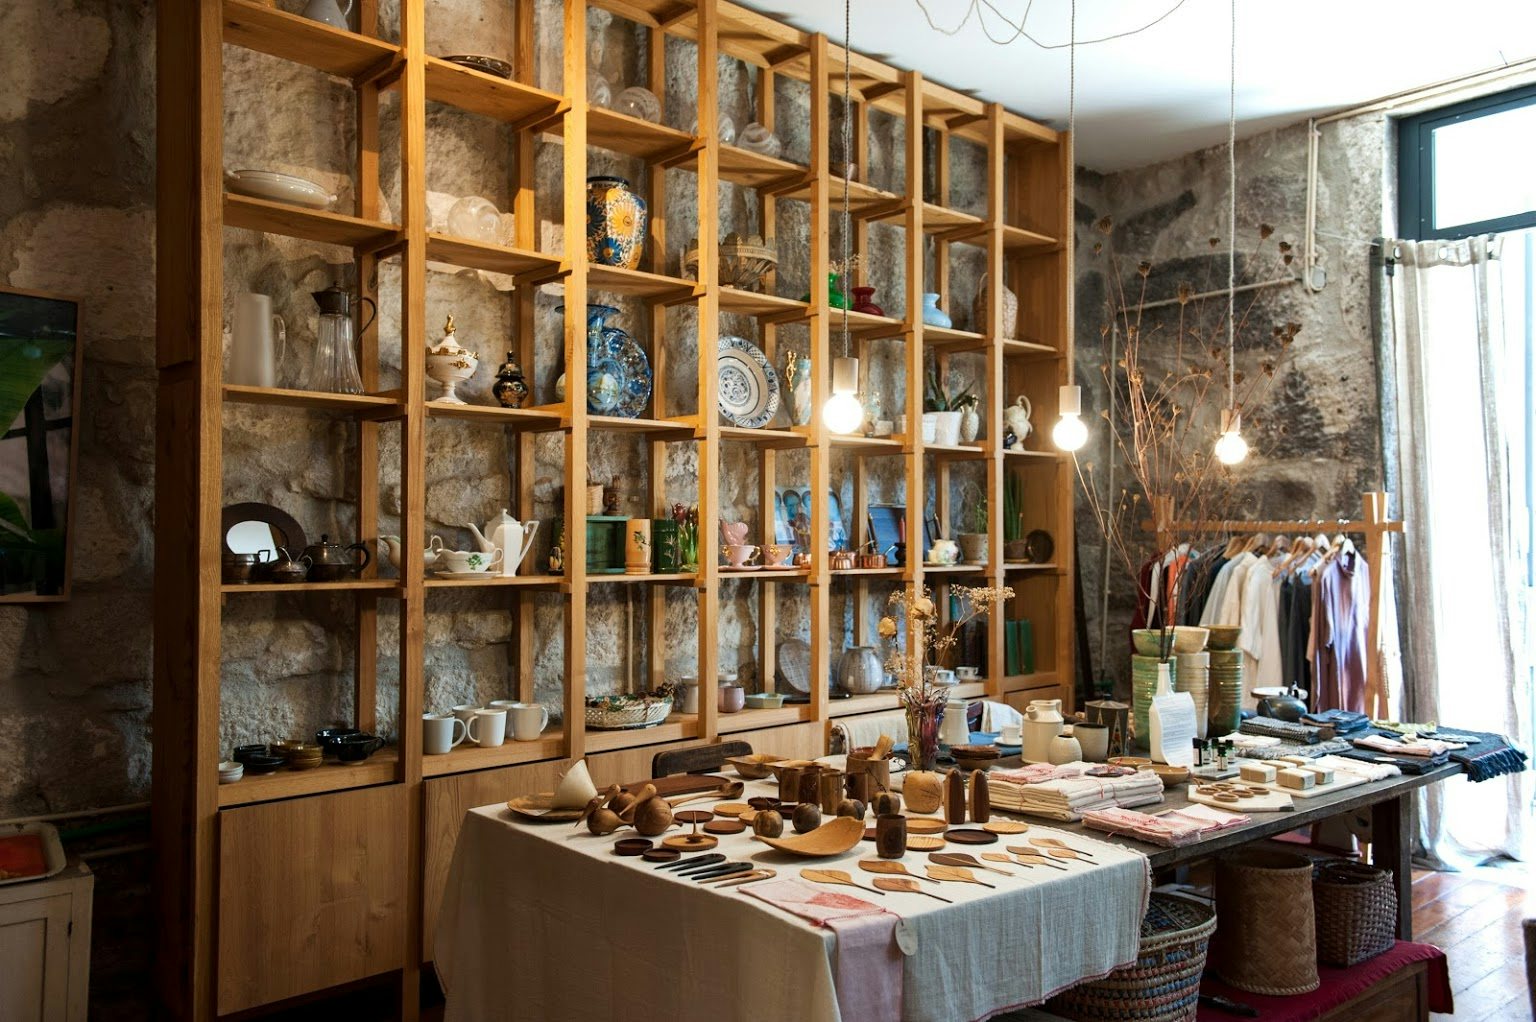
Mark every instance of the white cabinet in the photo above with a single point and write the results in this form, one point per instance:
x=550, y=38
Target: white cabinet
x=45, y=947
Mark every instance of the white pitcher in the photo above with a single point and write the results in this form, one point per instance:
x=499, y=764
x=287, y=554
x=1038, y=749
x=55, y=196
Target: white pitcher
x=1042, y=722
x=257, y=340
x=327, y=12
x=509, y=535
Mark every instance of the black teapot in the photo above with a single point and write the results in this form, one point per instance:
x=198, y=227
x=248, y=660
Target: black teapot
x=332, y=562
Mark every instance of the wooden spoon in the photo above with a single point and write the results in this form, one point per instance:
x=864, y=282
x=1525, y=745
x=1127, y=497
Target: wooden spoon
x=1051, y=842
x=1030, y=857
x=957, y=874
x=1067, y=853
x=963, y=859
x=731, y=790
x=907, y=885
x=834, y=876
x=887, y=866
x=998, y=857
x=883, y=746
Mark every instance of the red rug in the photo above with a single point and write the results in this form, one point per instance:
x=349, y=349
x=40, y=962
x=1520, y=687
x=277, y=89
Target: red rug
x=1338, y=987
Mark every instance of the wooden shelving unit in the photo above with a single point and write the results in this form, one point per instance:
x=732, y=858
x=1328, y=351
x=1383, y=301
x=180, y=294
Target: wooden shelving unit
x=377, y=836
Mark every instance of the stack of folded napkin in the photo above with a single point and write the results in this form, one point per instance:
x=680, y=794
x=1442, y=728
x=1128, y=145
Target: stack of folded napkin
x=1170, y=829
x=1065, y=792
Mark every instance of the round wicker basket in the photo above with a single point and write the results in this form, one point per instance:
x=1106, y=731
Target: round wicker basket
x=612, y=713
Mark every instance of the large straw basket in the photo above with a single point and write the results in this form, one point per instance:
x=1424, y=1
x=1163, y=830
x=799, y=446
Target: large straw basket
x=1164, y=983
x=1356, y=909
x=1266, y=942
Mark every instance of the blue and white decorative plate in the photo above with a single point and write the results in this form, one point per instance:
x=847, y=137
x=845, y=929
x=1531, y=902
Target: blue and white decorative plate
x=748, y=387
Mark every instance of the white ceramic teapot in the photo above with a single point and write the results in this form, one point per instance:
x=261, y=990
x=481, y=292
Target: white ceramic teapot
x=1017, y=417
x=509, y=535
x=1042, y=722
x=944, y=551
x=390, y=547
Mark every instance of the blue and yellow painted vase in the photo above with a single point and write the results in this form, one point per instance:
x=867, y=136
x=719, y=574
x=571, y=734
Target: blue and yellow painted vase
x=616, y=221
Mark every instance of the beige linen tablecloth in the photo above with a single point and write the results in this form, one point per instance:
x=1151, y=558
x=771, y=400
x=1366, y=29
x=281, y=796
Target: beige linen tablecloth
x=542, y=921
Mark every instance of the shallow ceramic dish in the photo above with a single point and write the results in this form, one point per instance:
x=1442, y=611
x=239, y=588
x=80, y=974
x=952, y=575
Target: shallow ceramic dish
x=258, y=763
x=482, y=63
x=765, y=700
x=748, y=392
x=1134, y=762
x=276, y=187
x=832, y=838
x=754, y=767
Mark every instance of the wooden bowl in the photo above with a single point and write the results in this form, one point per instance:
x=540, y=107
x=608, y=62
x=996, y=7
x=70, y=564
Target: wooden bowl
x=1169, y=774
x=974, y=757
x=754, y=767
x=832, y=838
x=1134, y=762
x=778, y=767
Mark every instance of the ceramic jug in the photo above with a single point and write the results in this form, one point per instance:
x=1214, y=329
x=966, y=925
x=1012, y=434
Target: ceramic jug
x=955, y=729
x=507, y=534
x=327, y=12
x=1017, y=417
x=257, y=341
x=391, y=548
x=1042, y=722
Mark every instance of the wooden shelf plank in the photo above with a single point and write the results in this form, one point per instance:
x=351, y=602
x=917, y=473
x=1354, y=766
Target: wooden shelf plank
x=498, y=582
x=1022, y=566
x=265, y=29
x=621, y=133
x=366, y=405
x=957, y=452
x=953, y=569
x=485, y=94
x=1041, y=455
x=894, y=444
x=952, y=340
x=1021, y=239
x=1015, y=348
x=865, y=202
x=776, y=439
x=545, y=419
x=750, y=719
x=329, y=776
x=310, y=224
x=753, y=303
x=676, y=728
x=764, y=575
x=478, y=255
x=469, y=756
x=868, y=571
x=1023, y=682
x=943, y=219
x=660, y=428
x=757, y=170
x=389, y=586
x=672, y=578
x=639, y=284
x=863, y=324
x=885, y=701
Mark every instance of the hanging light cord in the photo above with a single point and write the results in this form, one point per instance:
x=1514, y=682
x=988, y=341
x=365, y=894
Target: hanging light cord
x=1232, y=217
x=1071, y=167
x=847, y=158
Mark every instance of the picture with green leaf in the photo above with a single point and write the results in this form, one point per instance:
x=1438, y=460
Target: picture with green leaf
x=39, y=394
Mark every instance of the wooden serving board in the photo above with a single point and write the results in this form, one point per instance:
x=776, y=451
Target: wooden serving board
x=1274, y=802
x=1341, y=780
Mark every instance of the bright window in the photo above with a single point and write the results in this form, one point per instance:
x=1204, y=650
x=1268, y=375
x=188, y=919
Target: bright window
x=1467, y=169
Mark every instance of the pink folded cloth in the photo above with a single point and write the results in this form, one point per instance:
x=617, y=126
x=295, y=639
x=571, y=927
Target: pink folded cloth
x=867, y=968
x=1170, y=829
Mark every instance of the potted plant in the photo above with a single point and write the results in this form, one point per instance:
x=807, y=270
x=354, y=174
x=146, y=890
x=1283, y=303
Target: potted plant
x=973, y=542
x=1015, y=547
x=942, y=411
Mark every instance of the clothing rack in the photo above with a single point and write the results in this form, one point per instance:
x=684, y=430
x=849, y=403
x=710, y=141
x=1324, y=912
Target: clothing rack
x=1373, y=525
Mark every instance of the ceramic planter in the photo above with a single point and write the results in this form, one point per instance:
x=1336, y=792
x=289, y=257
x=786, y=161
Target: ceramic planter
x=946, y=428
x=858, y=671
x=616, y=222
x=973, y=547
x=637, y=547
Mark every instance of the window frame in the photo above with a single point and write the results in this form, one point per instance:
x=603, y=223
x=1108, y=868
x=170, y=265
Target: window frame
x=1416, y=168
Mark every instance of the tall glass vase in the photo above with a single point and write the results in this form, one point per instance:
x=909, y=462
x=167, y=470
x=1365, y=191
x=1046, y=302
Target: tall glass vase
x=923, y=720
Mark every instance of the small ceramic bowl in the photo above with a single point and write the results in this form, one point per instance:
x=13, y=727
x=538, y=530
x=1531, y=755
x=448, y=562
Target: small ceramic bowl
x=327, y=738
x=243, y=753
x=1148, y=641
x=262, y=764
x=1223, y=636
x=1189, y=639
x=765, y=700
x=1169, y=774
x=230, y=771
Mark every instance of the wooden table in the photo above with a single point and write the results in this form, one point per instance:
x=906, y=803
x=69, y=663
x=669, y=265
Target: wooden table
x=1391, y=805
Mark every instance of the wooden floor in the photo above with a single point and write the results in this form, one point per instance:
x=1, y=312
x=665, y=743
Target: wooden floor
x=1474, y=917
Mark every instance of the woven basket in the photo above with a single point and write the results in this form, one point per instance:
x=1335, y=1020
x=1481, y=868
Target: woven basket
x=615, y=713
x=1356, y=909
x=1164, y=983
x=1266, y=942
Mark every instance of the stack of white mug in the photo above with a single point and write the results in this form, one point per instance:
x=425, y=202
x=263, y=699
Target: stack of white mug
x=487, y=726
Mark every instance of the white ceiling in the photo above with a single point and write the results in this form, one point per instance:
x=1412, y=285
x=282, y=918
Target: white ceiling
x=1163, y=92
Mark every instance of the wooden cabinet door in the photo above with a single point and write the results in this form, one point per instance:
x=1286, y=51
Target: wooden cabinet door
x=311, y=894
x=34, y=959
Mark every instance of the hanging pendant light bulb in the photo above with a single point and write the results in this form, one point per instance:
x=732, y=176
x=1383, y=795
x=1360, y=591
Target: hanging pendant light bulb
x=843, y=412
x=1231, y=448
x=1070, y=432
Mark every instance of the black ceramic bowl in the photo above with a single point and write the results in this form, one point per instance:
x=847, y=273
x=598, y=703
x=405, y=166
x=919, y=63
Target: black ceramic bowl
x=261, y=763
x=358, y=747
x=243, y=753
x=328, y=737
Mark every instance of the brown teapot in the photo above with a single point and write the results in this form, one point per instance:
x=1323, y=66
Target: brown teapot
x=332, y=562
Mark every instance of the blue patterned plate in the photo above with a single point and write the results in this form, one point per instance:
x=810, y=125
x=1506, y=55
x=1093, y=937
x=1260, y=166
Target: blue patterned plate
x=748, y=388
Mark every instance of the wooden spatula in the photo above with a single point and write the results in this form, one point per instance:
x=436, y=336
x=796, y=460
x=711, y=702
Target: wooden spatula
x=998, y=857
x=834, y=876
x=906, y=885
x=1051, y=842
x=887, y=866
x=963, y=859
x=1030, y=857
x=957, y=874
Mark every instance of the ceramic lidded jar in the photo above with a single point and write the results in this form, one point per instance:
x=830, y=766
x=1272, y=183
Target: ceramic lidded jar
x=511, y=386
x=616, y=222
x=450, y=364
x=732, y=697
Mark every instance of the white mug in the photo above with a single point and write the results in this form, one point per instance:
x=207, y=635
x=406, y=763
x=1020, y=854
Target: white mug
x=488, y=728
x=465, y=712
x=528, y=721
x=1012, y=734
x=438, y=731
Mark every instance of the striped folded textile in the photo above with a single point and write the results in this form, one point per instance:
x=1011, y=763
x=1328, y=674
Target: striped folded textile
x=1066, y=792
x=1169, y=829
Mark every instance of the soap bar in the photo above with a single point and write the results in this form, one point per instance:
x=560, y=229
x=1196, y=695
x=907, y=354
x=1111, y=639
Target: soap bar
x=1278, y=764
x=1323, y=775
x=1299, y=779
x=1294, y=760
x=1259, y=773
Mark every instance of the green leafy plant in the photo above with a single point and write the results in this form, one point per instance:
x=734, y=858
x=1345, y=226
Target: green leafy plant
x=975, y=513
x=938, y=398
x=1013, y=508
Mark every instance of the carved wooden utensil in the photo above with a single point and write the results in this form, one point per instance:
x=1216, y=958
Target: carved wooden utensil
x=906, y=885
x=1051, y=842
x=963, y=859
x=887, y=866
x=732, y=789
x=1030, y=857
x=957, y=874
x=834, y=876
x=998, y=857
x=883, y=746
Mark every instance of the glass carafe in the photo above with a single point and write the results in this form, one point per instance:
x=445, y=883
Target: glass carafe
x=335, y=364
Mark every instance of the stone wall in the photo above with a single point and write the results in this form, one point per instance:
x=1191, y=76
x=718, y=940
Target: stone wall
x=1314, y=427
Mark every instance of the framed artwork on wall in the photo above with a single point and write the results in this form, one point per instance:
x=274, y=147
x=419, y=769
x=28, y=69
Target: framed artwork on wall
x=40, y=407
